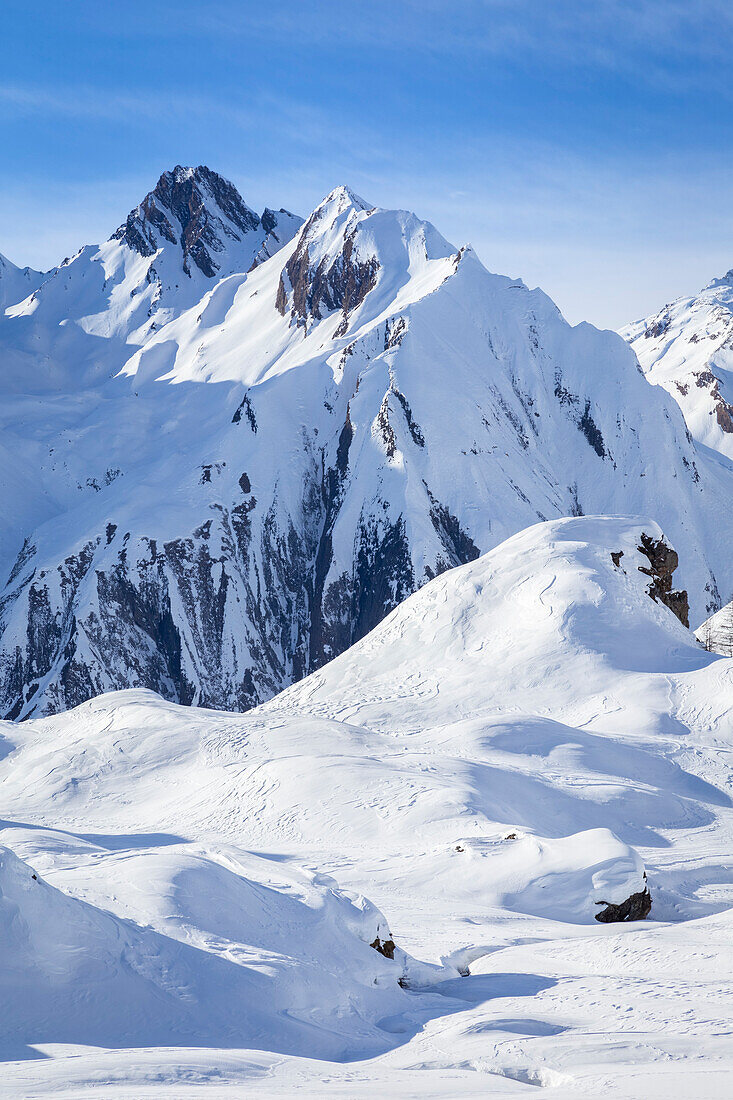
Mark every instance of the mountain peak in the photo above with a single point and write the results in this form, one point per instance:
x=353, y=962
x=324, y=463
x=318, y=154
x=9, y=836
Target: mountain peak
x=342, y=197
x=327, y=270
x=721, y=280
x=195, y=208
x=16, y=283
x=192, y=229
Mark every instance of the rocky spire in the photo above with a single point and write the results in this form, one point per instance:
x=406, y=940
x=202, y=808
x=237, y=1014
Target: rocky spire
x=194, y=208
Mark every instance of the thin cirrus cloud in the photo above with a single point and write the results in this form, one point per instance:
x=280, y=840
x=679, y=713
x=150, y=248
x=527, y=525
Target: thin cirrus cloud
x=614, y=36
x=582, y=146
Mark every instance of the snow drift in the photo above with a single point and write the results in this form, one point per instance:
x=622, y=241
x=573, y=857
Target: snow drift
x=239, y=955
x=497, y=763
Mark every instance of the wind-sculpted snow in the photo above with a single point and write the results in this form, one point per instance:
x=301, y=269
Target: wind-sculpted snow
x=215, y=498
x=502, y=760
x=232, y=959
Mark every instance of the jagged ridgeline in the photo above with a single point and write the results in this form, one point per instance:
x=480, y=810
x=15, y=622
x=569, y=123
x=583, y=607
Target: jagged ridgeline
x=251, y=437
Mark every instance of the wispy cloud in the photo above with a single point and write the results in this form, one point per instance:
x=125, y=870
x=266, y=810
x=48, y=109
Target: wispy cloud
x=574, y=143
x=644, y=40
x=301, y=124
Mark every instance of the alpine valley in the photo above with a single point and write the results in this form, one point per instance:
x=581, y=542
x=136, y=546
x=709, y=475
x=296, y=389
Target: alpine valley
x=355, y=738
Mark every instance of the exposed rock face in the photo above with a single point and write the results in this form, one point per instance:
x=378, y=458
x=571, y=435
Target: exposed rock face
x=201, y=216
x=663, y=561
x=584, y=419
x=193, y=207
x=658, y=327
x=341, y=284
x=705, y=379
x=314, y=286
x=227, y=616
x=193, y=624
x=384, y=947
x=636, y=907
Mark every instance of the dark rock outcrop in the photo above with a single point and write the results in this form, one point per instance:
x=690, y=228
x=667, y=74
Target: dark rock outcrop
x=592, y=432
x=585, y=422
x=658, y=327
x=384, y=947
x=663, y=561
x=195, y=208
x=705, y=379
x=636, y=907
x=460, y=547
x=334, y=283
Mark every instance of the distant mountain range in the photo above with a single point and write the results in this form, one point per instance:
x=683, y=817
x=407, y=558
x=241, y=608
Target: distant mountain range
x=231, y=443
x=687, y=347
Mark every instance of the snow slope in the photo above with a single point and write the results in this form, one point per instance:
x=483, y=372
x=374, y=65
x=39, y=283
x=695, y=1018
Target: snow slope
x=232, y=960
x=716, y=633
x=688, y=348
x=504, y=753
x=216, y=499
x=192, y=228
x=16, y=283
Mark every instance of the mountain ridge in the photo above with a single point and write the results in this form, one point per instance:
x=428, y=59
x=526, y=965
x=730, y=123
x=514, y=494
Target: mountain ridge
x=218, y=503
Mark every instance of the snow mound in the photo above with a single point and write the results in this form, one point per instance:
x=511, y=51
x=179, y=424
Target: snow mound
x=566, y=878
x=231, y=951
x=546, y=616
x=499, y=762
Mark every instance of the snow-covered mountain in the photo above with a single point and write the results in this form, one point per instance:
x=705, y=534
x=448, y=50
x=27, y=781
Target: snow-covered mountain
x=16, y=283
x=716, y=633
x=496, y=764
x=190, y=231
x=213, y=499
x=687, y=347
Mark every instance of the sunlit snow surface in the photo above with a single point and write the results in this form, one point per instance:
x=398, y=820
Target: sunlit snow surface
x=197, y=926
x=687, y=347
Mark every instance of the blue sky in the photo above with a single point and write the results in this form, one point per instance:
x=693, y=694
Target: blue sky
x=582, y=144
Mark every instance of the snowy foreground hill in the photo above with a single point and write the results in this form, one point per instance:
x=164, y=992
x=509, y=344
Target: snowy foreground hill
x=231, y=443
x=506, y=756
